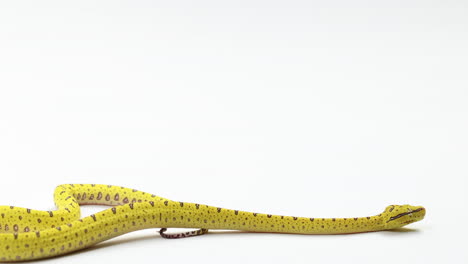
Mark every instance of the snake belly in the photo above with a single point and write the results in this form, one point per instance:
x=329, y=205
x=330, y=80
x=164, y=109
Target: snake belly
x=28, y=234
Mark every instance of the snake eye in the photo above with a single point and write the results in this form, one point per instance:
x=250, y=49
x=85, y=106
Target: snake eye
x=410, y=212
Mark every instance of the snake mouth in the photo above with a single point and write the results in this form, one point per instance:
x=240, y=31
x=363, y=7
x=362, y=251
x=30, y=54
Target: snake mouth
x=407, y=213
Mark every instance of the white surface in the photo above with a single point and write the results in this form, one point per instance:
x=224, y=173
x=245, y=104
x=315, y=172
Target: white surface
x=307, y=108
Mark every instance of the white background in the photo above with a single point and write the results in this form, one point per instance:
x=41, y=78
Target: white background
x=306, y=108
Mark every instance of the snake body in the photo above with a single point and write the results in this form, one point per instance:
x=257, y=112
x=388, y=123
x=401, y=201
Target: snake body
x=27, y=234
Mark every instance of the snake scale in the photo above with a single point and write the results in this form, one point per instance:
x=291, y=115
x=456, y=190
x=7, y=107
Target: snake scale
x=27, y=234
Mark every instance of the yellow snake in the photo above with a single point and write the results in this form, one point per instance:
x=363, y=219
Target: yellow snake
x=27, y=234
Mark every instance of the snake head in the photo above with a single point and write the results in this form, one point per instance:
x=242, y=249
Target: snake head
x=396, y=216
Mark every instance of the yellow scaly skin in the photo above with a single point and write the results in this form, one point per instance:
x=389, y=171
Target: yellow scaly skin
x=27, y=234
